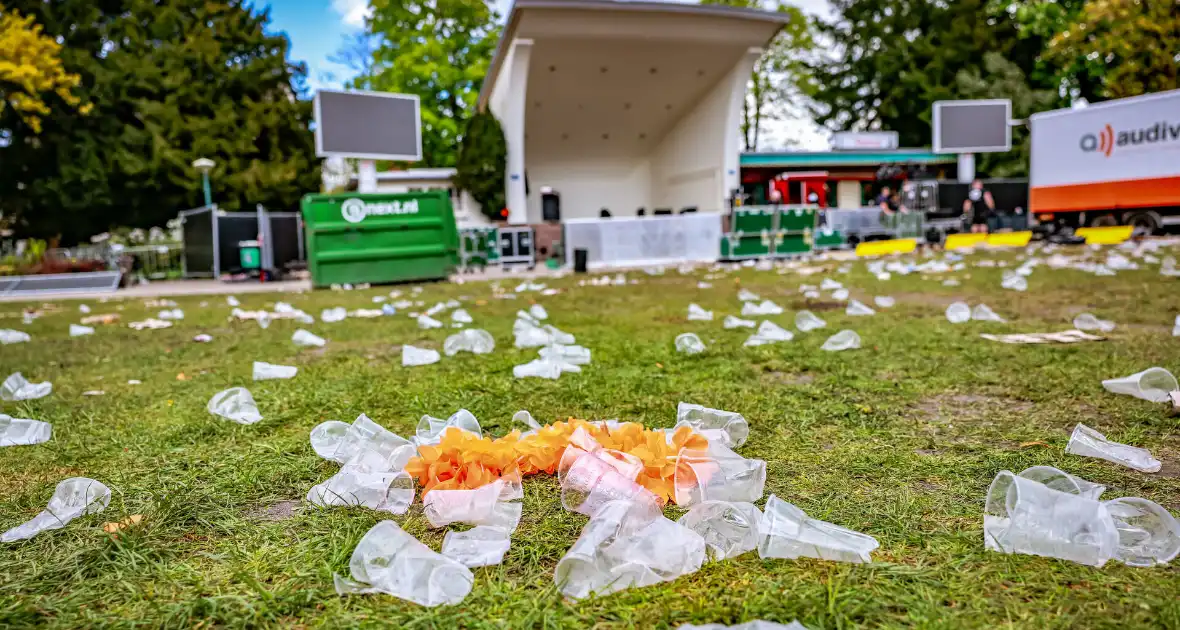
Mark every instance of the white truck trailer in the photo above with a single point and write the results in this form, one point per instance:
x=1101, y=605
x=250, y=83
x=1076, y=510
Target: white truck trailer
x=1111, y=163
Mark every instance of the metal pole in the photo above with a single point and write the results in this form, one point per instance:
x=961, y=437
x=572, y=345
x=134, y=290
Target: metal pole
x=208, y=190
x=216, y=244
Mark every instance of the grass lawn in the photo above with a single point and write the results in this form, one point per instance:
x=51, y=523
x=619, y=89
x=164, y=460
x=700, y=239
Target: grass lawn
x=898, y=440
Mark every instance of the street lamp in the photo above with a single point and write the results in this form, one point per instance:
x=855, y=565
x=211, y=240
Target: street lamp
x=205, y=165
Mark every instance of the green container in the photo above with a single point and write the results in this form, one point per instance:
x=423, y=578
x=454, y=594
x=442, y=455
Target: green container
x=828, y=239
x=796, y=219
x=793, y=243
x=250, y=254
x=735, y=247
x=396, y=237
x=753, y=220
x=478, y=246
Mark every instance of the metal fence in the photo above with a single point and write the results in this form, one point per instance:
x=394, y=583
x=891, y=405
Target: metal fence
x=211, y=238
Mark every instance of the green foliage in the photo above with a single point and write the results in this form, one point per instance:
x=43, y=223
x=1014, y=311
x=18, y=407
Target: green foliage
x=782, y=78
x=438, y=50
x=1001, y=78
x=170, y=81
x=482, y=163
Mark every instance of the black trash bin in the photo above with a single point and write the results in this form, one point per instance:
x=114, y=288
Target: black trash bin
x=581, y=256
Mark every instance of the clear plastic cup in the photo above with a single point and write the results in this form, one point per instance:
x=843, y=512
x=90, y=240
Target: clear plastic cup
x=717, y=474
x=787, y=532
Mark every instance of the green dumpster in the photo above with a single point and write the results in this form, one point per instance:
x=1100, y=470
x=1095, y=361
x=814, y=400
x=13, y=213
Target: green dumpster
x=384, y=237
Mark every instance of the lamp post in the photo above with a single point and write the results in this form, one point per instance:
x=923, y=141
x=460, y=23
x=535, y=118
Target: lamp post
x=205, y=165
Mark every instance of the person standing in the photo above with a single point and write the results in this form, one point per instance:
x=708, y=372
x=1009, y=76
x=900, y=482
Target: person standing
x=981, y=206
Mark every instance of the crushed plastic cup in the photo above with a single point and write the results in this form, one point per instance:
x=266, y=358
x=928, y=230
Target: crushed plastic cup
x=766, y=307
x=16, y=388
x=232, y=301
x=787, y=532
x=768, y=333
x=388, y=310
x=1014, y=282
x=333, y=315
x=807, y=321
x=549, y=368
x=830, y=285
x=698, y=314
x=172, y=314
x=1087, y=321
x=1062, y=481
x=573, y=355
x=1148, y=534
x=427, y=322
x=729, y=427
x=235, y=404
x=840, y=295
x=8, y=335
x=526, y=419
x=413, y=356
x=482, y=546
x=307, y=339
x=366, y=481
x=83, y=309
x=203, y=338
x=591, y=480
x=23, y=431
x=983, y=313
x=79, y=331
x=538, y=312
x=958, y=313
x=1087, y=442
x=732, y=322
x=264, y=371
x=746, y=295
x=341, y=442
x=494, y=505
x=472, y=340
x=1027, y=517
x=461, y=316
x=843, y=340
x=626, y=545
x=74, y=497
x=717, y=474
x=1153, y=384
x=689, y=343
x=856, y=308
x=884, y=301
x=389, y=560
x=728, y=528
x=430, y=429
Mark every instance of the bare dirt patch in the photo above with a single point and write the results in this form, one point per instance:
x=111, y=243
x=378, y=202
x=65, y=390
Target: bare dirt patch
x=280, y=511
x=968, y=407
x=787, y=378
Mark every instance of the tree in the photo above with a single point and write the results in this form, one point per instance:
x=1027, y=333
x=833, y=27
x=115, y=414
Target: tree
x=893, y=58
x=1001, y=78
x=31, y=71
x=439, y=50
x=482, y=163
x=1037, y=23
x=170, y=80
x=1134, y=43
x=781, y=80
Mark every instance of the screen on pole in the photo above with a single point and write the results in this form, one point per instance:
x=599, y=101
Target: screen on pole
x=367, y=125
x=972, y=126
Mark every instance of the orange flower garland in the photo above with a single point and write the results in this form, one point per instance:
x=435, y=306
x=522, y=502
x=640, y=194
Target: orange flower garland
x=463, y=460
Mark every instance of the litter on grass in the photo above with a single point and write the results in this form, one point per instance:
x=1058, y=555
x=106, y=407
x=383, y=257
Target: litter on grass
x=307, y=339
x=750, y=309
x=1068, y=336
x=268, y=371
x=1153, y=384
x=80, y=331
x=767, y=333
x=698, y=314
x=389, y=560
x=16, y=388
x=413, y=356
x=787, y=532
x=74, y=497
x=689, y=343
x=472, y=340
x=728, y=427
x=732, y=322
x=806, y=321
x=843, y=340
x=858, y=309
x=23, y=431
x=1089, y=443
x=1087, y=321
x=235, y=404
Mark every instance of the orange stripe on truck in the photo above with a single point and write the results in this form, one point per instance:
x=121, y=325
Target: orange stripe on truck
x=1133, y=193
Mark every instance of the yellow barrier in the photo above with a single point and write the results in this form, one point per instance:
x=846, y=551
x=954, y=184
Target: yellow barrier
x=1009, y=239
x=1106, y=235
x=881, y=248
x=957, y=241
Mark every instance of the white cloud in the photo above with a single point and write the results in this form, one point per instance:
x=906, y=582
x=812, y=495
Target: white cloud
x=353, y=12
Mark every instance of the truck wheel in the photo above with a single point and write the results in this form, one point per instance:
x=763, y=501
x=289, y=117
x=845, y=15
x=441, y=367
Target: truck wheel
x=1104, y=220
x=1144, y=223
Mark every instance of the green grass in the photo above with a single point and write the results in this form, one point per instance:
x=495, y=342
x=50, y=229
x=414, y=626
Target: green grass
x=899, y=440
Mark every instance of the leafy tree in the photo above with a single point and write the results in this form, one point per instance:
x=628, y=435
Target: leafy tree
x=1001, y=78
x=1134, y=43
x=440, y=51
x=1072, y=76
x=170, y=80
x=31, y=72
x=892, y=59
x=482, y=163
x=781, y=79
